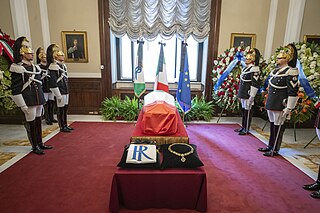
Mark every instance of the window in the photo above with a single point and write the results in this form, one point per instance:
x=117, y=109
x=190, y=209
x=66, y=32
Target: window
x=126, y=52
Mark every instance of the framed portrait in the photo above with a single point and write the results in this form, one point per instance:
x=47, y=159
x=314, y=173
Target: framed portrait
x=75, y=47
x=243, y=39
x=312, y=38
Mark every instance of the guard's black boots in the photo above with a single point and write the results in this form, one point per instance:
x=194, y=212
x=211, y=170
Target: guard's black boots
x=278, y=134
x=243, y=121
x=39, y=134
x=312, y=187
x=61, y=121
x=271, y=140
x=31, y=132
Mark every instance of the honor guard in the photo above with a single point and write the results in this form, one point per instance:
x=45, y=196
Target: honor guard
x=248, y=88
x=27, y=92
x=315, y=186
x=58, y=83
x=48, y=95
x=282, y=97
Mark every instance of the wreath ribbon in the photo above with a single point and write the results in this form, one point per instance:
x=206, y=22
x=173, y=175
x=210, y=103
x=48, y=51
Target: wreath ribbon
x=239, y=58
x=304, y=81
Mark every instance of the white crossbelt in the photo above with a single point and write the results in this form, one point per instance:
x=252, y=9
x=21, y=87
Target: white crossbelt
x=278, y=75
x=63, y=74
x=245, y=72
x=32, y=78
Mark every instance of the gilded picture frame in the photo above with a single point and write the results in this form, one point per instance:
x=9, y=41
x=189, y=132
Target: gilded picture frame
x=312, y=38
x=243, y=39
x=74, y=46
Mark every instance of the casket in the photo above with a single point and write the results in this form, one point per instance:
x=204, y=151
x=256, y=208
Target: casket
x=159, y=118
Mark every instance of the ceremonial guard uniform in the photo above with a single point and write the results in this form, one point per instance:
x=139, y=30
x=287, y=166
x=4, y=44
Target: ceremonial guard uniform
x=27, y=92
x=59, y=84
x=316, y=186
x=282, y=97
x=248, y=88
x=48, y=95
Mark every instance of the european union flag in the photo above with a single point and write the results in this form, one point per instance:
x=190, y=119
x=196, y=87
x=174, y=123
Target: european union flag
x=184, y=91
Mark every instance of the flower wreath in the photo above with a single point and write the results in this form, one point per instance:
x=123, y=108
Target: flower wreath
x=309, y=57
x=6, y=58
x=226, y=87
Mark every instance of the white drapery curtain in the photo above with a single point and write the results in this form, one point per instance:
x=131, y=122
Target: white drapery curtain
x=150, y=18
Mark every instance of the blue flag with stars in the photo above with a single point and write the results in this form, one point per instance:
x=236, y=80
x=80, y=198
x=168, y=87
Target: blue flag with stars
x=184, y=91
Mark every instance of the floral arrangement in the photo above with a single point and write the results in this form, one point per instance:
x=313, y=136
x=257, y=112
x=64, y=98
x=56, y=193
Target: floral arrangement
x=309, y=57
x=303, y=110
x=6, y=103
x=226, y=95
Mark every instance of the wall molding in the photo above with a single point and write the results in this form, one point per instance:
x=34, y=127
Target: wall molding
x=271, y=28
x=83, y=75
x=44, y=23
x=20, y=18
x=294, y=21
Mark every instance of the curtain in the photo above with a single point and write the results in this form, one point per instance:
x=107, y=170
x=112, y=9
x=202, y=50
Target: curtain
x=150, y=18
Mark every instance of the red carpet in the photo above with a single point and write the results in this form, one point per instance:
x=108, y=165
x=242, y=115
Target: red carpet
x=76, y=175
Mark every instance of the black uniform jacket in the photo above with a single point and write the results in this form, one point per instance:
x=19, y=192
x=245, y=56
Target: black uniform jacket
x=248, y=77
x=45, y=78
x=58, y=77
x=282, y=83
x=32, y=93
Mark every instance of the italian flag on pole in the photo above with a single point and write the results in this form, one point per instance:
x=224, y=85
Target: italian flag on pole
x=139, y=84
x=161, y=82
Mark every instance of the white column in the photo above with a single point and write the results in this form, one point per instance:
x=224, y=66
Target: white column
x=20, y=19
x=294, y=21
x=271, y=28
x=44, y=23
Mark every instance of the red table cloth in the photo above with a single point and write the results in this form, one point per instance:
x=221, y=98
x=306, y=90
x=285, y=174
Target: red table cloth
x=170, y=189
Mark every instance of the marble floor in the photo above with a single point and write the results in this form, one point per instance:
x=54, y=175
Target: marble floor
x=14, y=144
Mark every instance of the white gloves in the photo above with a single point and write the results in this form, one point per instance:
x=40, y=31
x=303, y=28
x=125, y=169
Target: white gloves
x=58, y=96
x=59, y=100
x=250, y=102
x=19, y=100
x=286, y=113
x=291, y=104
x=25, y=109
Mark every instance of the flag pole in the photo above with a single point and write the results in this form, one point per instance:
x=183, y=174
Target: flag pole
x=221, y=113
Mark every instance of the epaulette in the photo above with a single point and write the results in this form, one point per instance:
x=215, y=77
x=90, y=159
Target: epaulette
x=293, y=71
x=54, y=67
x=255, y=69
x=17, y=68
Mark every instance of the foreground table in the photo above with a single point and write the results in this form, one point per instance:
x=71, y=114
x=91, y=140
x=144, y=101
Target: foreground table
x=170, y=189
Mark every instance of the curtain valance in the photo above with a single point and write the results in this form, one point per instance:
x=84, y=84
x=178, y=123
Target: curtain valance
x=149, y=18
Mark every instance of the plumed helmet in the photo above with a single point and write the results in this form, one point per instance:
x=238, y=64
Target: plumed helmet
x=289, y=53
x=293, y=61
x=21, y=46
x=40, y=54
x=52, y=52
x=253, y=56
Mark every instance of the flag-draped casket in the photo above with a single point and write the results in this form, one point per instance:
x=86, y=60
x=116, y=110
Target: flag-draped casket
x=159, y=121
x=159, y=114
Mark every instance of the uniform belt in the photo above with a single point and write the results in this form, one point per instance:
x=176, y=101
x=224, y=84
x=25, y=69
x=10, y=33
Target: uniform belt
x=30, y=80
x=277, y=87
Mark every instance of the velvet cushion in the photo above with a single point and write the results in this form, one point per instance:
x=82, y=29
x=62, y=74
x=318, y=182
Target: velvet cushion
x=123, y=163
x=171, y=160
